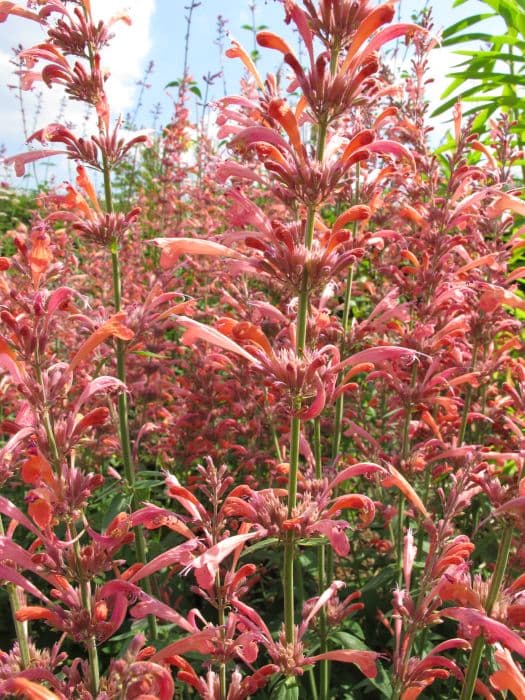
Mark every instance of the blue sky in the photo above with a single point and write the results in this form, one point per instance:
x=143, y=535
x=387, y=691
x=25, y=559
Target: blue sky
x=168, y=27
x=157, y=35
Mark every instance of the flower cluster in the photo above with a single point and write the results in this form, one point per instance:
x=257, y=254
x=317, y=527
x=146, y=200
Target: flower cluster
x=255, y=401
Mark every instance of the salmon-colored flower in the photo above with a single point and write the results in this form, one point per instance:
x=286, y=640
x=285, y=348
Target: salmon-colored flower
x=11, y=8
x=475, y=621
x=112, y=327
x=36, y=468
x=509, y=676
x=173, y=248
x=28, y=689
x=330, y=90
x=10, y=363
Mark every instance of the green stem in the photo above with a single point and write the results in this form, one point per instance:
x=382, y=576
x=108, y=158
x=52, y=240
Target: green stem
x=275, y=437
x=324, y=676
x=123, y=408
x=20, y=627
x=46, y=417
x=495, y=585
x=85, y=594
x=345, y=323
x=405, y=451
x=468, y=400
x=222, y=621
x=313, y=687
x=295, y=423
x=426, y=489
x=289, y=546
x=295, y=434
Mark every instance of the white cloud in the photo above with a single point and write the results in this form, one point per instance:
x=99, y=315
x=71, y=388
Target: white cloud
x=124, y=58
x=441, y=62
x=126, y=55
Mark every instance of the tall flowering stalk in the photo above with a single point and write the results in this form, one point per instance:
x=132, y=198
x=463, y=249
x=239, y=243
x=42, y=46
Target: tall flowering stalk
x=383, y=446
x=340, y=78
x=78, y=36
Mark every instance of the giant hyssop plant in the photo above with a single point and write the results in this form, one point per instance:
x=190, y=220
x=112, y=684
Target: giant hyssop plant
x=264, y=428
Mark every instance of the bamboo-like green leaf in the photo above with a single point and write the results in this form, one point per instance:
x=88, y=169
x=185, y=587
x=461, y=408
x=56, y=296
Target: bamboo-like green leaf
x=465, y=23
x=492, y=80
x=454, y=86
x=511, y=12
x=499, y=101
x=495, y=87
x=495, y=55
x=468, y=36
x=486, y=38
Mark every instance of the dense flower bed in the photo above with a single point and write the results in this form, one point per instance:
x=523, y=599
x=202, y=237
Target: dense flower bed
x=264, y=414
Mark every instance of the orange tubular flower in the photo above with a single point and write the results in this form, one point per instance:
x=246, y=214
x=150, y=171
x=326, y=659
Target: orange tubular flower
x=28, y=689
x=343, y=24
x=113, y=327
x=509, y=676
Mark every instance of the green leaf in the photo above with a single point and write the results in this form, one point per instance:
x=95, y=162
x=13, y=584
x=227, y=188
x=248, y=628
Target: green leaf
x=196, y=91
x=384, y=576
x=119, y=503
x=496, y=55
x=147, y=353
x=453, y=86
x=313, y=541
x=482, y=36
x=262, y=544
x=450, y=103
x=491, y=80
x=469, y=36
x=510, y=11
x=174, y=83
x=465, y=23
x=381, y=682
x=494, y=104
x=287, y=689
x=348, y=641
